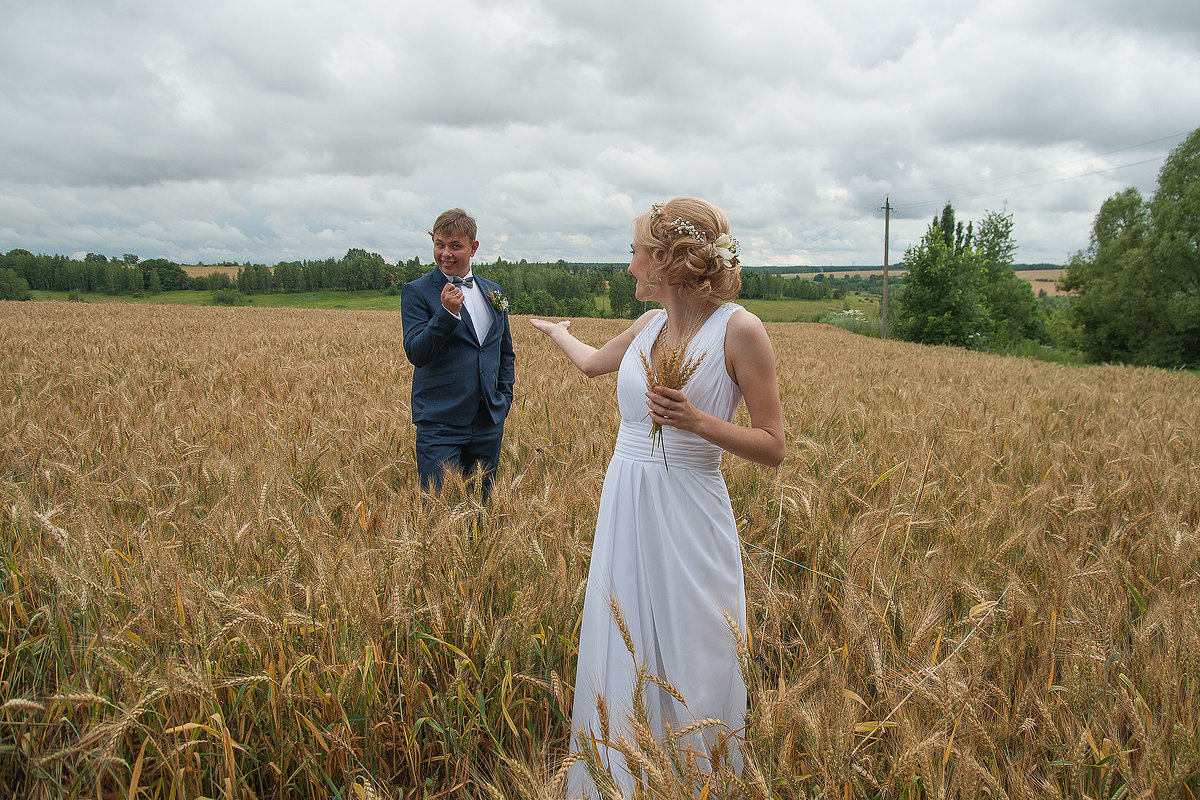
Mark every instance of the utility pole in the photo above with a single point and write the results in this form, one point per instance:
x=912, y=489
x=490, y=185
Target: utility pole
x=887, y=225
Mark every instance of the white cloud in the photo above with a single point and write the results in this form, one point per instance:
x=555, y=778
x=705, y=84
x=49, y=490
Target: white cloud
x=278, y=130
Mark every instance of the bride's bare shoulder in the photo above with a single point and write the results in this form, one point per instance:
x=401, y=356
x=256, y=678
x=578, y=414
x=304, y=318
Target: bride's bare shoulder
x=745, y=323
x=644, y=320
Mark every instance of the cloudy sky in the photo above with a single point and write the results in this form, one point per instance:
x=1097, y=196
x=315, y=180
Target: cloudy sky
x=269, y=131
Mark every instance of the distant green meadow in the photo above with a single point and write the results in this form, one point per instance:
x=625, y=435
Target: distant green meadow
x=810, y=310
x=367, y=300
x=372, y=300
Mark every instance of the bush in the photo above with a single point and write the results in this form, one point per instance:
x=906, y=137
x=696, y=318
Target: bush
x=213, y=281
x=1030, y=348
x=853, y=320
x=75, y=297
x=13, y=286
x=229, y=297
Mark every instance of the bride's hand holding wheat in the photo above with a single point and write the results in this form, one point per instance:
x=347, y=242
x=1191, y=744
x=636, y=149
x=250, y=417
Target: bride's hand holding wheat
x=671, y=407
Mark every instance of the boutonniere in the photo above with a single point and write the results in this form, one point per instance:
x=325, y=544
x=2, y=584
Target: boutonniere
x=498, y=300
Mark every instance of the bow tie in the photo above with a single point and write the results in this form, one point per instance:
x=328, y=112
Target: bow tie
x=467, y=282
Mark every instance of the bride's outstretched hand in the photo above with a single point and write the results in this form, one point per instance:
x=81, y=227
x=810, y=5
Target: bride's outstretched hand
x=548, y=327
x=672, y=407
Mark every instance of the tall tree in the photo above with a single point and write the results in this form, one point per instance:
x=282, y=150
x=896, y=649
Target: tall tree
x=1138, y=281
x=13, y=286
x=1101, y=275
x=961, y=289
x=621, y=298
x=171, y=276
x=939, y=301
x=1175, y=220
x=1012, y=310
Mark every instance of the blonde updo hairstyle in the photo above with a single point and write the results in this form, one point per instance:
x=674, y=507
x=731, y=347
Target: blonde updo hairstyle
x=679, y=259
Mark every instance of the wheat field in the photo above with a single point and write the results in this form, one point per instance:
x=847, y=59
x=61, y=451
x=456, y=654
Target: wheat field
x=972, y=576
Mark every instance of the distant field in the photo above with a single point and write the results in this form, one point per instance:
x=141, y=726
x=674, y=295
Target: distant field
x=1043, y=279
x=1039, y=278
x=369, y=300
x=202, y=270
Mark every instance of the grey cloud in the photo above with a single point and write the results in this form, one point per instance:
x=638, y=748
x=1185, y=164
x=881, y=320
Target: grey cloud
x=273, y=130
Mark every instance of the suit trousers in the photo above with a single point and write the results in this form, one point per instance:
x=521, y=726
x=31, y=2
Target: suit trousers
x=442, y=446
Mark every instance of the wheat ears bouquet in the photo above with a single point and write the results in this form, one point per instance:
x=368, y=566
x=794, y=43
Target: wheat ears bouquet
x=671, y=369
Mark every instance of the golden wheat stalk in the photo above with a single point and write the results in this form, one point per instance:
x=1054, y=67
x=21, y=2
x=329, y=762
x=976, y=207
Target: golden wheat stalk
x=145, y=439
x=672, y=369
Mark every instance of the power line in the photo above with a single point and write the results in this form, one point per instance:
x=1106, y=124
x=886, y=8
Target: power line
x=1055, y=166
x=869, y=210
x=826, y=234
x=1022, y=187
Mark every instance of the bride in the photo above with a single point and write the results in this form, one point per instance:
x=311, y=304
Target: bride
x=666, y=566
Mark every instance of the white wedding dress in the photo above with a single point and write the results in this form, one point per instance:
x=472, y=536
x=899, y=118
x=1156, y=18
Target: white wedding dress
x=666, y=549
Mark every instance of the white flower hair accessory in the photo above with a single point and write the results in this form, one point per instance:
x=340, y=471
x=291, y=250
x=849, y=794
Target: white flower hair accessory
x=727, y=249
x=725, y=246
x=685, y=228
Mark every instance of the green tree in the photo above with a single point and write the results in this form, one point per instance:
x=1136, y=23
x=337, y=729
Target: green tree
x=229, y=297
x=961, y=288
x=1175, y=220
x=363, y=270
x=116, y=278
x=544, y=303
x=288, y=276
x=171, y=276
x=13, y=286
x=217, y=280
x=621, y=300
x=940, y=297
x=1106, y=277
x=254, y=278
x=1011, y=309
x=1138, y=281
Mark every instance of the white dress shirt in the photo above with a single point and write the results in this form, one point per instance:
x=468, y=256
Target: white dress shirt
x=478, y=307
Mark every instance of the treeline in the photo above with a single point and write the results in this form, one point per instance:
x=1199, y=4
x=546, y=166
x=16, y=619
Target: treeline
x=1135, y=290
x=551, y=289
x=808, y=269
x=94, y=273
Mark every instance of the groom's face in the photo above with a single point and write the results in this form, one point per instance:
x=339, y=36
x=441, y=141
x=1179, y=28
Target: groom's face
x=452, y=252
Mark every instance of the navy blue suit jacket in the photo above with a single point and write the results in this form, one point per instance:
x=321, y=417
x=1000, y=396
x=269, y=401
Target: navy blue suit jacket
x=454, y=370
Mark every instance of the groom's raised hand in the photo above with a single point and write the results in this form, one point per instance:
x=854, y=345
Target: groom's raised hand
x=452, y=298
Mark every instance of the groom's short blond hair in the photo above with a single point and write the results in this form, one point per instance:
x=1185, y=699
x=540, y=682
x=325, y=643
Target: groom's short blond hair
x=455, y=222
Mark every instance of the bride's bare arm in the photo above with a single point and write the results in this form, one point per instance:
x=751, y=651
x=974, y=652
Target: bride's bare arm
x=750, y=360
x=590, y=360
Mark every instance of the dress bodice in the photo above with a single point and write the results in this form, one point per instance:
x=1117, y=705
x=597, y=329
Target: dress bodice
x=710, y=389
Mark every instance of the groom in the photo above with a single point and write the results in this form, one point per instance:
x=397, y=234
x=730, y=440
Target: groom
x=456, y=335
